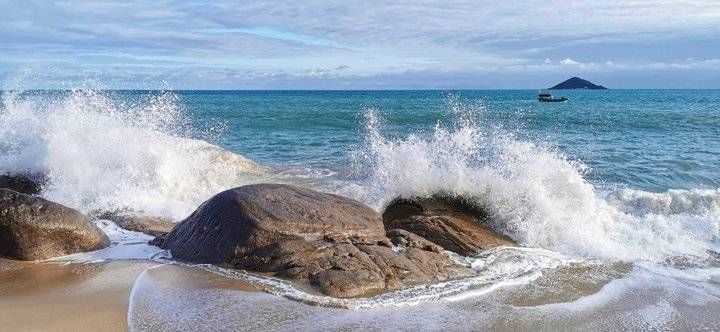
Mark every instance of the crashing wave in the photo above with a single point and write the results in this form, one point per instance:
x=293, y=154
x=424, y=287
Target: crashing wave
x=536, y=194
x=104, y=153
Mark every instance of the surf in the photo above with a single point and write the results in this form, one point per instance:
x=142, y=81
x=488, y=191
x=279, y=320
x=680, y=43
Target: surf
x=535, y=193
x=103, y=151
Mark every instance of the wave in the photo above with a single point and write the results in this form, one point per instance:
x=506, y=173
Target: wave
x=103, y=152
x=100, y=152
x=672, y=202
x=536, y=194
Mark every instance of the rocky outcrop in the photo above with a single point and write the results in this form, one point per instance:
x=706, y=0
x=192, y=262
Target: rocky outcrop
x=136, y=222
x=32, y=228
x=448, y=222
x=22, y=183
x=337, y=244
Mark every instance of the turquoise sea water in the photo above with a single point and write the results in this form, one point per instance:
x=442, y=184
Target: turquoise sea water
x=648, y=139
x=613, y=197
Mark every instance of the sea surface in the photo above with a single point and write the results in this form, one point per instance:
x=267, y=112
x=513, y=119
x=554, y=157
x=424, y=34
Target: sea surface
x=613, y=195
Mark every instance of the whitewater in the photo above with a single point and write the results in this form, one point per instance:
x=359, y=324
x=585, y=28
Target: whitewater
x=637, y=254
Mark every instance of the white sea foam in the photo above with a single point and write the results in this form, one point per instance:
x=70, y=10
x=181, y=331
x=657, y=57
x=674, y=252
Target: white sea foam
x=672, y=202
x=101, y=152
x=124, y=245
x=497, y=268
x=637, y=301
x=537, y=195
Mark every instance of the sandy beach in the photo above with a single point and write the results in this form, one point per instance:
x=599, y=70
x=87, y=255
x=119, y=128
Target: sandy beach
x=72, y=297
x=84, y=297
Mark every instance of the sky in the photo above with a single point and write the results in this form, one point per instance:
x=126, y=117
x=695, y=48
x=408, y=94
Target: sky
x=358, y=44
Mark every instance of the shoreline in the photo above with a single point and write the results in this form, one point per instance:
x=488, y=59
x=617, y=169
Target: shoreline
x=151, y=296
x=68, y=297
x=43, y=296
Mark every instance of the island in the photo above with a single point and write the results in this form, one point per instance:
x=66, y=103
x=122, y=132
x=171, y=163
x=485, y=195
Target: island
x=577, y=83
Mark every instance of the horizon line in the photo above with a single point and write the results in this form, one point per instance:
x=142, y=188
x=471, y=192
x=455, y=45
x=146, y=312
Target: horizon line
x=345, y=90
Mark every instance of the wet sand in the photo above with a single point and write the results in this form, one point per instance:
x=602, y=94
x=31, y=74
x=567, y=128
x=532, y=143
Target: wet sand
x=169, y=297
x=567, y=284
x=84, y=297
x=73, y=297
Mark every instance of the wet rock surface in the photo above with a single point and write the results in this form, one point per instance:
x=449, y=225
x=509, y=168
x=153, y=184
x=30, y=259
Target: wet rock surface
x=30, y=184
x=137, y=222
x=447, y=222
x=32, y=228
x=337, y=244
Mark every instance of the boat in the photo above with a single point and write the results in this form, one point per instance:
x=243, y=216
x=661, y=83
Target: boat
x=547, y=97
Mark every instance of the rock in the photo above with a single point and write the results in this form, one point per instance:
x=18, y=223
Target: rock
x=250, y=217
x=337, y=244
x=447, y=222
x=577, y=83
x=32, y=228
x=22, y=183
x=136, y=222
x=403, y=238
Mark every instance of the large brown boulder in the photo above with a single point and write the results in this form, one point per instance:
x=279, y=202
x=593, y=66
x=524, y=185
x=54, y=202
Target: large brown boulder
x=23, y=183
x=451, y=223
x=32, y=228
x=339, y=245
x=136, y=222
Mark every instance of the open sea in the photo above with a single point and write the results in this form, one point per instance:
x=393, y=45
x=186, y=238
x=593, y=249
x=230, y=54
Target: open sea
x=613, y=195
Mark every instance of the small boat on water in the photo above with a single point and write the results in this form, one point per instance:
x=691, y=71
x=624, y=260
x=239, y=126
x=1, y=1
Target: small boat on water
x=547, y=97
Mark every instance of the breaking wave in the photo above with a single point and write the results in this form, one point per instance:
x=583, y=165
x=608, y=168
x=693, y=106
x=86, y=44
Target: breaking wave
x=101, y=152
x=535, y=193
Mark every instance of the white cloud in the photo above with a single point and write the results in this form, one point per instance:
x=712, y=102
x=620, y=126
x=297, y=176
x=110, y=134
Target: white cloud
x=356, y=37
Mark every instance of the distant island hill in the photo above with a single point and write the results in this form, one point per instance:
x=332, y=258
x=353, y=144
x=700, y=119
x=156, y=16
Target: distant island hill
x=577, y=83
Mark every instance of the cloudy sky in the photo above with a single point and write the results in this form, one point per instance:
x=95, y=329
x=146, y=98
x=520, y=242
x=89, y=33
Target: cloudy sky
x=359, y=44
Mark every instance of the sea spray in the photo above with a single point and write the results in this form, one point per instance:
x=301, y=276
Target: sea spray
x=535, y=193
x=105, y=151
x=101, y=152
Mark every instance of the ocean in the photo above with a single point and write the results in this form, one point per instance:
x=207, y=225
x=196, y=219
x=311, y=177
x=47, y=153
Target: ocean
x=613, y=195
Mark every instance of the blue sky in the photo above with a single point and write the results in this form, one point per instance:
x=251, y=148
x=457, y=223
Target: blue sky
x=359, y=44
